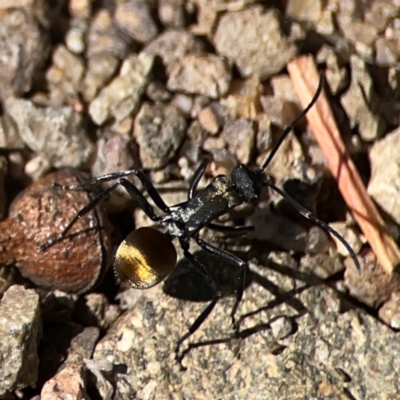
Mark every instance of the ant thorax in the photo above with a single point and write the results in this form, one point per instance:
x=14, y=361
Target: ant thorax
x=208, y=204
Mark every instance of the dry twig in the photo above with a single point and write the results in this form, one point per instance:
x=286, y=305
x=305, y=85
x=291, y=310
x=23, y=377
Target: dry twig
x=304, y=75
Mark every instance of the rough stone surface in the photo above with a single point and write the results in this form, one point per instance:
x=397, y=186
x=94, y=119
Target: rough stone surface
x=360, y=102
x=75, y=37
x=94, y=309
x=207, y=75
x=384, y=185
x=161, y=84
x=172, y=45
x=376, y=285
x=349, y=234
x=330, y=355
x=122, y=95
x=3, y=198
x=243, y=99
x=134, y=18
x=386, y=52
x=240, y=138
x=55, y=133
x=23, y=46
x=69, y=382
x=159, y=130
x=20, y=330
x=104, y=36
x=172, y=13
x=321, y=265
x=336, y=73
x=80, y=8
x=238, y=38
x=380, y=12
x=390, y=311
x=318, y=240
x=308, y=10
x=100, y=69
x=210, y=118
x=65, y=75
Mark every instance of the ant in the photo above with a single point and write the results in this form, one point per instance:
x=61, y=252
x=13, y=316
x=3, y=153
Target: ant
x=147, y=255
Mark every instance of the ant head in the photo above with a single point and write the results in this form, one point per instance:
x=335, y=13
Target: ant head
x=247, y=182
x=144, y=258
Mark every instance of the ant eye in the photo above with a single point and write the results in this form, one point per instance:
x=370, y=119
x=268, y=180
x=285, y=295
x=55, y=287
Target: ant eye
x=144, y=258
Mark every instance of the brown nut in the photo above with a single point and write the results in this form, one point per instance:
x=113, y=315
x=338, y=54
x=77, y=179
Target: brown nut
x=74, y=264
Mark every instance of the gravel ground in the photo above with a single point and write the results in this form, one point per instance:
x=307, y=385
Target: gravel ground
x=93, y=87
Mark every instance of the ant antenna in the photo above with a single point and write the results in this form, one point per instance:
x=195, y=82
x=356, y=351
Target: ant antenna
x=298, y=207
x=306, y=214
x=294, y=122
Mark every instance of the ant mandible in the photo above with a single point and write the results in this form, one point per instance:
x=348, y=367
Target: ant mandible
x=147, y=255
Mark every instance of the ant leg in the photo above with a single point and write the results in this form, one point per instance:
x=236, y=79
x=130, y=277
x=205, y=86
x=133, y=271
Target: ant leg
x=196, y=177
x=151, y=190
x=95, y=181
x=306, y=214
x=130, y=188
x=236, y=262
x=207, y=311
x=234, y=230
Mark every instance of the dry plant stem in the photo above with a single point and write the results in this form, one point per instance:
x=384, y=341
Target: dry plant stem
x=304, y=76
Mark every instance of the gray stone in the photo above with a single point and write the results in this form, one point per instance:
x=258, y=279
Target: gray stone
x=376, y=284
x=360, y=102
x=172, y=13
x=387, y=53
x=23, y=46
x=75, y=37
x=238, y=38
x=159, y=131
x=104, y=36
x=322, y=266
x=65, y=75
x=20, y=330
x=281, y=327
x=349, y=234
x=100, y=68
x=134, y=18
x=172, y=45
x=318, y=240
x=380, y=12
x=384, y=184
x=157, y=92
x=336, y=73
x=207, y=75
x=357, y=31
x=332, y=354
x=55, y=133
x=308, y=10
x=280, y=111
x=240, y=136
x=390, y=311
x=122, y=95
x=70, y=381
x=3, y=173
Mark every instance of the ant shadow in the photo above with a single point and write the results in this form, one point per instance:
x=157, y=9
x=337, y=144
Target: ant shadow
x=186, y=283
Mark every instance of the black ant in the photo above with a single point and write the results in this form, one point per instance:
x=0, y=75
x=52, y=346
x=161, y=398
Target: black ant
x=147, y=255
